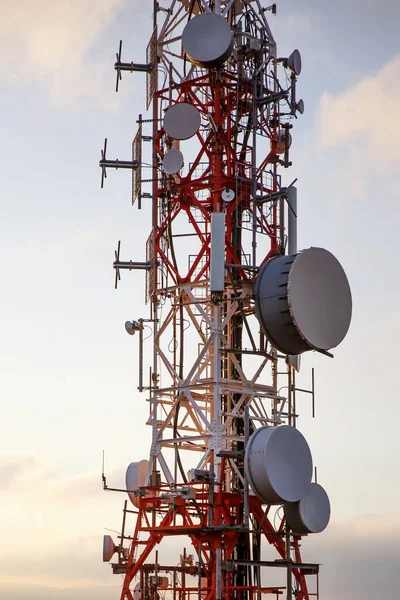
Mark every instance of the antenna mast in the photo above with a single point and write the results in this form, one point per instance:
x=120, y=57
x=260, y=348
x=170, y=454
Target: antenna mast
x=232, y=306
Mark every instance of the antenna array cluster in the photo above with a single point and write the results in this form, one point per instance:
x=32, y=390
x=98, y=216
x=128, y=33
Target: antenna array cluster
x=233, y=306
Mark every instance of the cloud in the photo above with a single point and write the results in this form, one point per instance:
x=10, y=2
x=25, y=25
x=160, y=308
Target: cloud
x=85, y=240
x=359, y=562
x=359, y=558
x=361, y=124
x=20, y=591
x=48, y=42
x=13, y=467
x=26, y=475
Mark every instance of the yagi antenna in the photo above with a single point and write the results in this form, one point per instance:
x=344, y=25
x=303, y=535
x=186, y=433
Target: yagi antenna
x=129, y=265
x=131, y=67
x=114, y=164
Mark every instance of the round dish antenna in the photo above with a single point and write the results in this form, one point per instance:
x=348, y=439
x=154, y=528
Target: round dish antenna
x=278, y=464
x=132, y=327
x=173, y=161
x=281, y=143
x=182, y=121
x=293, y=62
x=135, y=478
x=311, y=513
x=109, y=548
x=303, y=301
x=207, y=40
x=300, y=106
x=228, y=195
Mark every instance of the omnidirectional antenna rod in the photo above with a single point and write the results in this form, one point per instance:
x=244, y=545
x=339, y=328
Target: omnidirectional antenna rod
x=114, y=164
x=121, y=66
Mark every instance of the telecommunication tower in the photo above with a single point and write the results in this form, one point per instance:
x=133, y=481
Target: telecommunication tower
x=232, y=306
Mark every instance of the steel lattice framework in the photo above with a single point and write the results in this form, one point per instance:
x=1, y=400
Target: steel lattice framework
x=214, y=377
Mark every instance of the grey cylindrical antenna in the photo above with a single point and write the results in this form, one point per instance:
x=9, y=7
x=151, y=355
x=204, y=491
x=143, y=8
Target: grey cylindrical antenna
x=292, y=219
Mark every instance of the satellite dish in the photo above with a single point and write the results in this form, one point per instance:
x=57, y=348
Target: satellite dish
x=303, y=301
x=135, y=478
x=294, y=62
x=300, y=106
x=278, y=464
x=109, y=548
x=182, y=121
x=173, y=161
x=228, y=195
x=207, y=40
x=311, y=513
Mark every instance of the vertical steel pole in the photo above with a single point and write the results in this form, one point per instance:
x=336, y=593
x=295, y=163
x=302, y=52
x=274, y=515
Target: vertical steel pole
x=289, y=567
x=254, y=175
x=246, y=482
x=140, y=388
x=292, y=219
x=217, y=426
x=154, y=307
x=199, y=573
x=218, y=575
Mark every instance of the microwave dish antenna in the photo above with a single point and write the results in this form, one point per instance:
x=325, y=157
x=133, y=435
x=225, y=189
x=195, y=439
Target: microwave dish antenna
x=311, y=513
x=207, y=40
x=278, y=464
x=300, y=106
x=293, y=62
x=173, y=161
x=109, y=548
x=182, y=121
x=228, y=195
x=303, y=301
x=135, y=478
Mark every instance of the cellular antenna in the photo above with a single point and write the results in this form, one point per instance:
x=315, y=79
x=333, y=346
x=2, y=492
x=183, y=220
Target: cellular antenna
x=235, y=306
x=131, y=67
x=114, y=164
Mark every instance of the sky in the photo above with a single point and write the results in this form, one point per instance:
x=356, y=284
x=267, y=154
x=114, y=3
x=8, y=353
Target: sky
x=68, y=371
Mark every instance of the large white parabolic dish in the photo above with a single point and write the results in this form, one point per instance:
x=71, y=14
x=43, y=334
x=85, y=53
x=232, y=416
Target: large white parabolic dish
x=311, y=513
x=303, y=301
x=278, y=464
x=135, y=478
x=182, y=121
x=207, y=40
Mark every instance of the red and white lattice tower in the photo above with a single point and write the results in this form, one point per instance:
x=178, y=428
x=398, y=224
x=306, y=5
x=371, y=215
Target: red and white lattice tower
x=228, y=474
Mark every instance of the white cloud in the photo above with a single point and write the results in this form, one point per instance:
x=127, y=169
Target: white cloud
x=359, y=558
x=38, y=492
x=362, y=123
x=48, y=42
